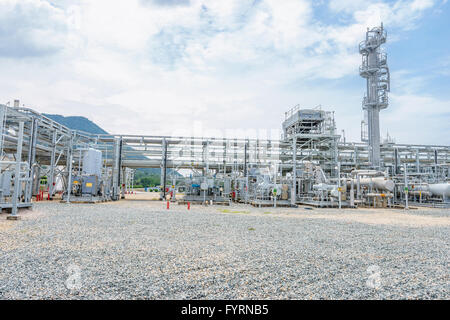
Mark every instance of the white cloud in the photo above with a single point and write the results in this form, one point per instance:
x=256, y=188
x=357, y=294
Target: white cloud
x=31, y=28
x=418, y=119
x=349, y=6
x=142, y=67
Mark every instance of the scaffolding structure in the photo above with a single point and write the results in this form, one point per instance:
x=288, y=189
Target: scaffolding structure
x=43, y=147
x=375, y=70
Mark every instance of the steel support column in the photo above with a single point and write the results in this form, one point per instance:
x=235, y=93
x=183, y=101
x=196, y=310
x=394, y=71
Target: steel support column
x=17, y=182
x=294, y=171
x=164, y=169
x=51, y=180
x=69, y=169
x=32, y=188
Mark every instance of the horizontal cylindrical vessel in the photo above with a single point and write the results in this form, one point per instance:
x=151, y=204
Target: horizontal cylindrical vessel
x=368, y=172
x=380, y=183
x=440, y=189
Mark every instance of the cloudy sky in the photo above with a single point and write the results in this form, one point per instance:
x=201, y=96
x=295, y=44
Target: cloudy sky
x=229, y=67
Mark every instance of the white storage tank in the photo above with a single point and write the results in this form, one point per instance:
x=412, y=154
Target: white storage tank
x=440, y=189
x=92, y=162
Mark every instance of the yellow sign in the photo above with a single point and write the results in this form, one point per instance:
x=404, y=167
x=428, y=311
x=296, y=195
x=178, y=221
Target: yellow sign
x=88, y=184
x=340, y=189
x=75, y=182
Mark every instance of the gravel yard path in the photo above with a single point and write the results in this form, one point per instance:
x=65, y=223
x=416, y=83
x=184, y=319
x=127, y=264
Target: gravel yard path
x=139, y=250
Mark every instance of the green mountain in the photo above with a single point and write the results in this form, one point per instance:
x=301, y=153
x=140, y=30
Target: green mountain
x=149, y=176
x=77, y=123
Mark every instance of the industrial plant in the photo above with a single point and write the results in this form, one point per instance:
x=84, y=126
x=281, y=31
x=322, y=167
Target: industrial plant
x=310, y=165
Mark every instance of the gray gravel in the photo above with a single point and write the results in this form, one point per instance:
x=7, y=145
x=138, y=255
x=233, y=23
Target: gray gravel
x=139, y=250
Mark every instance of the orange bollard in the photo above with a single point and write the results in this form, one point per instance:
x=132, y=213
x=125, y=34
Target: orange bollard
x=167, y=205
x=189, y=206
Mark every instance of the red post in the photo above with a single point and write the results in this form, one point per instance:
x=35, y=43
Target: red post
x=167, y=205
x=189, y=206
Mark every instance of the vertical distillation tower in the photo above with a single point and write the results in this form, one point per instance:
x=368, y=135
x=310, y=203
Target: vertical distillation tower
x=374, y=68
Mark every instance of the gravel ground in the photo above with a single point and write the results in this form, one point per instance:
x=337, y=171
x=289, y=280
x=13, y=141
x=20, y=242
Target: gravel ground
x=139, y=250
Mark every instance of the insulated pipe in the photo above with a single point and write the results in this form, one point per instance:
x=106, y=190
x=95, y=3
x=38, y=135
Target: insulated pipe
x=418, y=192
x=24, y=163
x=382, y=195
x=440, y=189
x=380, y=183
x=421, y=187
x=324, y=187
x=368, y=173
